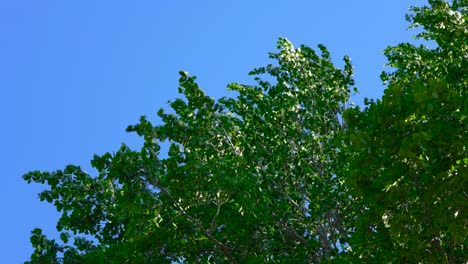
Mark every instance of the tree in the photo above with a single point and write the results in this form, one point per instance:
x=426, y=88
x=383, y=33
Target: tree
x=408, y=153
x=246, y=179
x=283, y=171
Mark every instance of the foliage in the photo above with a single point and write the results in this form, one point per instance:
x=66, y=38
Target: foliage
x=245, y=179
x=283, y=172
x=408, y=151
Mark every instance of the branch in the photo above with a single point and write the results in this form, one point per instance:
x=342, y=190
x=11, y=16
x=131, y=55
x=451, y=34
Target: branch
x=238, y=153
x=223, y=248
x=436, y=243
x=213, y=221
x=291, y=232
x=452, y=251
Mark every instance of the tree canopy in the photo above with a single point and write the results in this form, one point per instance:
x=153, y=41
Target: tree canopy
x=287, y=170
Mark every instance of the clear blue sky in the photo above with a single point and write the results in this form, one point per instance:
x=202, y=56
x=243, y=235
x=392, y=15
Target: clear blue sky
x=74, y=74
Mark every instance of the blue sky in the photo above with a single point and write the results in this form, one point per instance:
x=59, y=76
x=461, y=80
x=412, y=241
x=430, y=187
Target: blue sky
x=74, y=74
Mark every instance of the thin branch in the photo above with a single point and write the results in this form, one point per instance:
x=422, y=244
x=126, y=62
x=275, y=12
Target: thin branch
x=213, y=221
x=238, y=153
x=436, y=243
x=223, y=248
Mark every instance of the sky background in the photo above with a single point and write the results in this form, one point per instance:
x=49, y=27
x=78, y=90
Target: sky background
x=75, y=74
